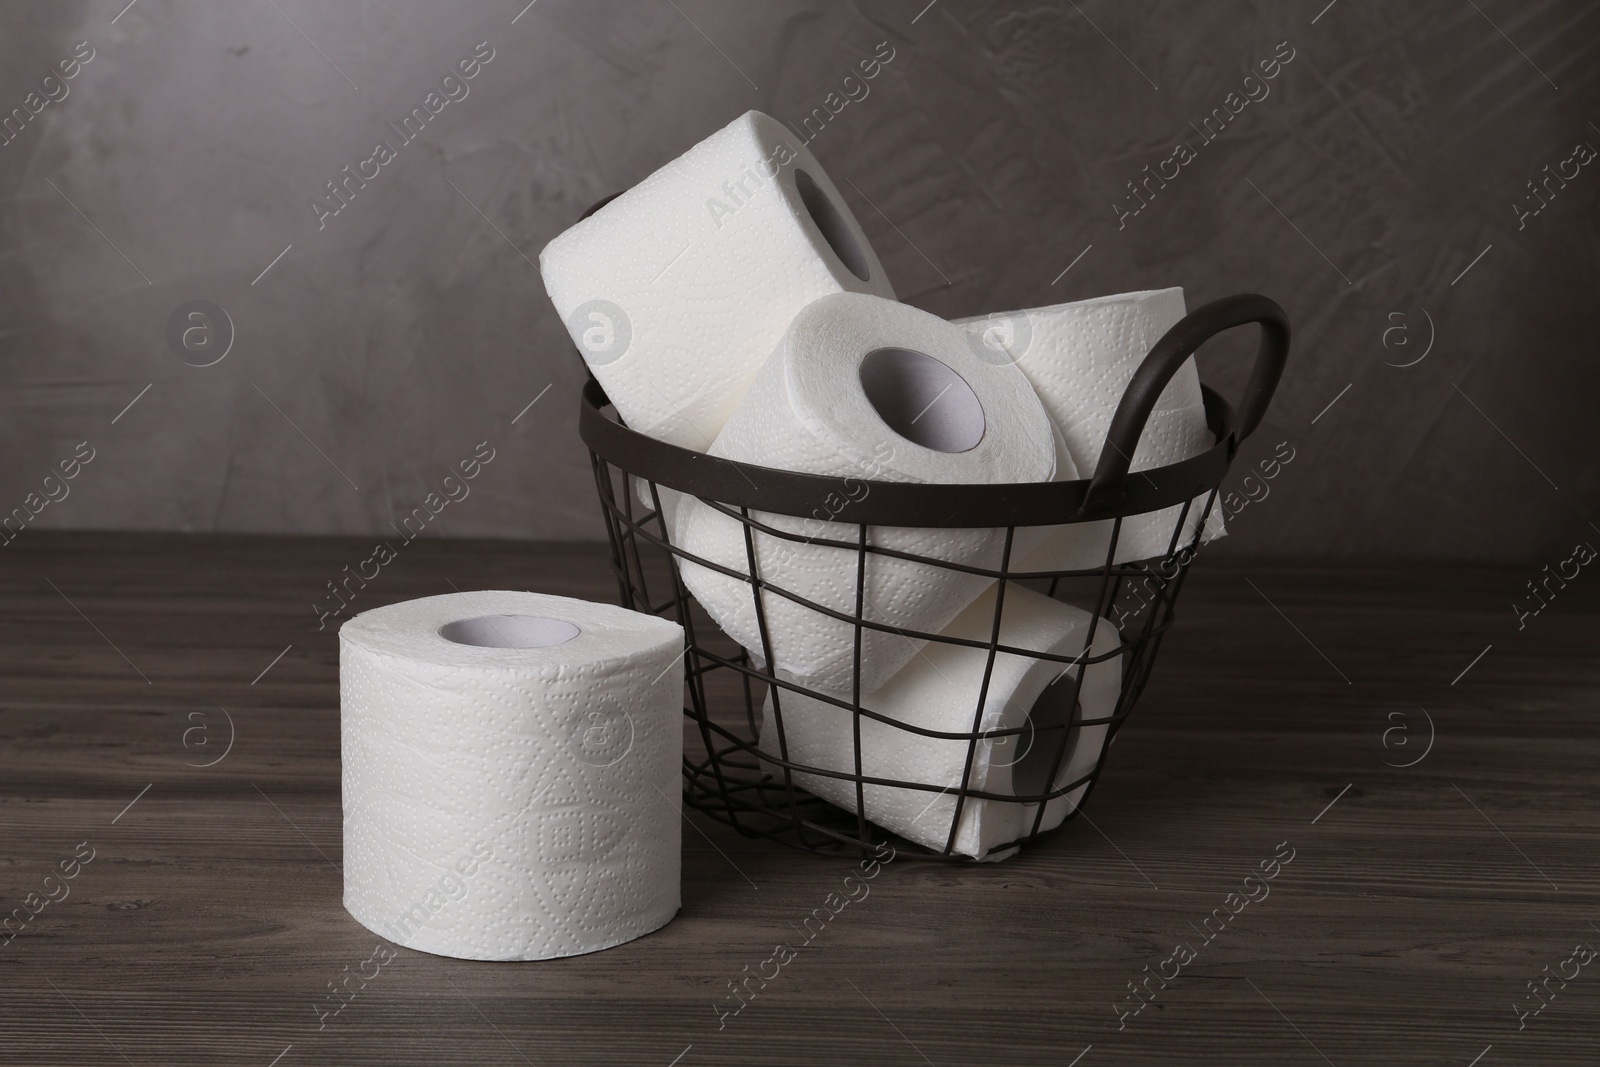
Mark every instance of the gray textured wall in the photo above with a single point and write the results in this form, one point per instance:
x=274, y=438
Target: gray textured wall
x=1387, y=155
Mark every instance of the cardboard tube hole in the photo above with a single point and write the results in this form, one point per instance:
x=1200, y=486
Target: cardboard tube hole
x=1056, y=707
x=922, y=400
x=509, y=631
x=830, y=221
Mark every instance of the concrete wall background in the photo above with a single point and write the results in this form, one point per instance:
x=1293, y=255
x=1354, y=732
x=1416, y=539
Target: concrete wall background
x=381, y=349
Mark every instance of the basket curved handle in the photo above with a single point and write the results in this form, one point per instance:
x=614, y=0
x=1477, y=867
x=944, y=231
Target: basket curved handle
x=1169, y=354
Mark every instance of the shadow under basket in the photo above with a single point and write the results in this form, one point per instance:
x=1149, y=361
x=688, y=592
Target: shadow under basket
x=1022, y=772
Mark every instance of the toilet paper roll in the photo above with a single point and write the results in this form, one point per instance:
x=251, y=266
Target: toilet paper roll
x=1080, y=357
x=510, y=767
x=939, y=691
x=669, y=502
x=863, y=389
x=677, y=290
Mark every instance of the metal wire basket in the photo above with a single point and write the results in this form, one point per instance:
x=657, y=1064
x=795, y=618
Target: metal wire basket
x=743, y=772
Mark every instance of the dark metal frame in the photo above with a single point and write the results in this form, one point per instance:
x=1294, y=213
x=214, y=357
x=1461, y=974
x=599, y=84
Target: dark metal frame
x=731, y=780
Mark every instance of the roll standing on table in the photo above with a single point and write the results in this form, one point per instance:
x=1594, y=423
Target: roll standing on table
x=511, y=772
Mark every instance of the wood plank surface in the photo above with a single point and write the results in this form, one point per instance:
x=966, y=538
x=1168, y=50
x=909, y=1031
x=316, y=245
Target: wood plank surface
x=1419, y=904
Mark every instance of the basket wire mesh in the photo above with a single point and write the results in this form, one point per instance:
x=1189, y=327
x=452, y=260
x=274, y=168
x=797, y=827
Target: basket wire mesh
x=746, y=775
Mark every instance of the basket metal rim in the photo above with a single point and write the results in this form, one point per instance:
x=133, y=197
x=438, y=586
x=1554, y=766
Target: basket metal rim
x=879, y=503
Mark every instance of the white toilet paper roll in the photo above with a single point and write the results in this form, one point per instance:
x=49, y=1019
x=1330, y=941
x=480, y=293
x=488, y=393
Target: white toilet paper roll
x=939, y=691
x=678, y=289
x=511, y=763
x=864, y=388
x=1080, y=357
x=669, y=502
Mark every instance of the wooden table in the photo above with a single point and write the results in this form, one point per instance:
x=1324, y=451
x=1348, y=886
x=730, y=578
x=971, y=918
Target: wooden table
x=1419, y=903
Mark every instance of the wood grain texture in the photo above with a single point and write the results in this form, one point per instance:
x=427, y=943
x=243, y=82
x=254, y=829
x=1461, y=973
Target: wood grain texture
x=1407, y=924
